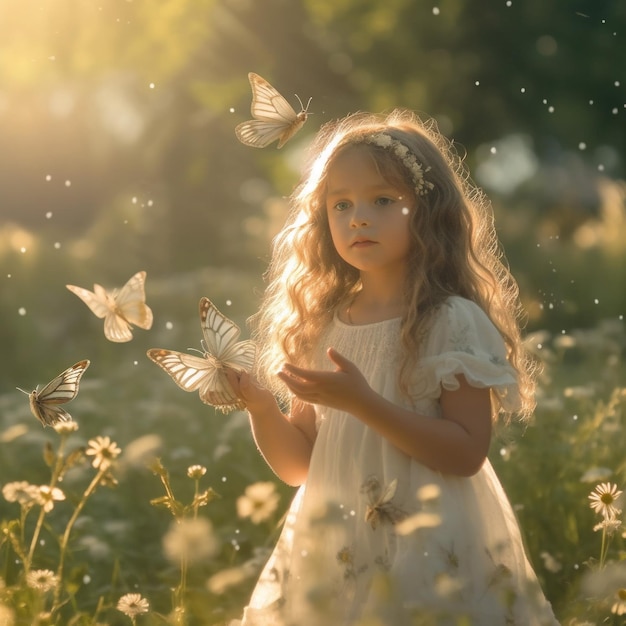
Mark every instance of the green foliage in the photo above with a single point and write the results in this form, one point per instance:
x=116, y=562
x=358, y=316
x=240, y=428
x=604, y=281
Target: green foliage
x=116, y=542
x=118, y=118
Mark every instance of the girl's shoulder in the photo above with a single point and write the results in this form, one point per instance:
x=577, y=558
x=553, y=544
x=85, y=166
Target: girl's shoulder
x=455, y=309
x=459, y=320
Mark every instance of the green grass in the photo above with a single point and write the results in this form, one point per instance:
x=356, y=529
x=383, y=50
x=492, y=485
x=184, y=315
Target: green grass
x=117, y=544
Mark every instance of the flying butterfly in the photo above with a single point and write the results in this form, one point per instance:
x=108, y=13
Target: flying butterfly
x=206, y=373
x=44, y=404
x=119, y=308
x=274, y=118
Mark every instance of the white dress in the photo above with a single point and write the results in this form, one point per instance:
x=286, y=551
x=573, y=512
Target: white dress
x=376, y=538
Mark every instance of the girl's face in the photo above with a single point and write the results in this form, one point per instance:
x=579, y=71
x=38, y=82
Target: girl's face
x=367, y=214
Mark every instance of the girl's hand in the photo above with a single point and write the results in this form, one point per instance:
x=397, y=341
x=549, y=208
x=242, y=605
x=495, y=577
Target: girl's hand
x=247, y=388
x=345, y=388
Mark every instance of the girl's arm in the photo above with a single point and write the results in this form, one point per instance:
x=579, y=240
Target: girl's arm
x=457, y=444
x=285, y=441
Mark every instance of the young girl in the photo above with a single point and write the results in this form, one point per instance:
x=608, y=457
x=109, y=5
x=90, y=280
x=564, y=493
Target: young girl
x=389, y=329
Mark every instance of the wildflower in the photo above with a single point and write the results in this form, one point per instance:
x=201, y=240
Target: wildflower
x=21, y=491
x=610, y=525
x=259, y=501
x=619, y=607
x=550, y=563
x=193, y=539
x=65, y=428
x=196, y=471
x=42, y=579
x=133, y=604
x=104, y=451
x=603, y=500
x=47, y=496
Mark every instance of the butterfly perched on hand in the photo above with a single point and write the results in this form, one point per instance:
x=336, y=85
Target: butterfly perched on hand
x=206, y=373
x=119, y=308
x=274, y=118
x=44, y=404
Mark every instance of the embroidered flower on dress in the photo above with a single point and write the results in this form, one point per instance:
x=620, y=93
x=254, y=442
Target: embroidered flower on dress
x=345, y=558
x=407, y=158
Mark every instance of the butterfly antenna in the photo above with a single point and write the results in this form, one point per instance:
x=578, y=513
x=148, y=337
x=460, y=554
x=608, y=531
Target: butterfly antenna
x=26, y=392
x=305, y=109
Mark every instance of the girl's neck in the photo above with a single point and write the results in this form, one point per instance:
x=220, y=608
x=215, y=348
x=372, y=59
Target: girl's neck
x=374, y=303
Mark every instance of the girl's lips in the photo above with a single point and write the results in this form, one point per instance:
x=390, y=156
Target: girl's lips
x=363, y=243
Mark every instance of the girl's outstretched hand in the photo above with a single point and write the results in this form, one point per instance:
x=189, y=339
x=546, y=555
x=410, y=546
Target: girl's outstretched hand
x=246, y=388
x=344, y=388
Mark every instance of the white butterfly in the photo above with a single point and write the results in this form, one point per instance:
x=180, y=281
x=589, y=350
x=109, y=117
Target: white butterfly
x=120, y=308
x=274, y=117
x=206, y=374
x=44, y=404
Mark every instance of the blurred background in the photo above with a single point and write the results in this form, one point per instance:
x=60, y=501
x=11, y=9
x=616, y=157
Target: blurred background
x=118, y=154
x=118, y=151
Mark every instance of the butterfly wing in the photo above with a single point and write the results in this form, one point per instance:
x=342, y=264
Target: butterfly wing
x=117, y=329
x=119, y=309
x=129, y=307
x=274, y=118
x=99, y=301
x=130, y=302
x=220, y=339
x=44, y=404
x=193, y=373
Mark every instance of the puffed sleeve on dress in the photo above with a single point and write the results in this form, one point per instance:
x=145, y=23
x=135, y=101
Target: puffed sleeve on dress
x=464, y=341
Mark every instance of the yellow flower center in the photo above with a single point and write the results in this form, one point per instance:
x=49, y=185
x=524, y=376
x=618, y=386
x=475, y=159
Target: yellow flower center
x=607, y=498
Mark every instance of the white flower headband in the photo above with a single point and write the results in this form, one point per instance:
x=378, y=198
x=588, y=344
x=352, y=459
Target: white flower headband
x=417, y=171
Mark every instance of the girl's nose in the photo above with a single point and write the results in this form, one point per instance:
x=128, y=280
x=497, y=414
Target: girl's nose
x=359, y=217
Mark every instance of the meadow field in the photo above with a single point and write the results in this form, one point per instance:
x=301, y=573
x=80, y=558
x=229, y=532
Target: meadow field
x=152, y=493
x=119, y=155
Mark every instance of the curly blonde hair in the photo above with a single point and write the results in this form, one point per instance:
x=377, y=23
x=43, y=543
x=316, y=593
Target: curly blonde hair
x=454, y=251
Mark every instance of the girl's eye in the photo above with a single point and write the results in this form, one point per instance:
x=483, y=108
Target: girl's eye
x=384, y=201
x=342, y=206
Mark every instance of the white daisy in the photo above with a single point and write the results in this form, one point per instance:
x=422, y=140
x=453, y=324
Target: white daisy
x=603, y=499
x=133, y=604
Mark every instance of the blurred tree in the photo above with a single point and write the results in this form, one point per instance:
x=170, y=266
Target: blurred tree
x=132, y=105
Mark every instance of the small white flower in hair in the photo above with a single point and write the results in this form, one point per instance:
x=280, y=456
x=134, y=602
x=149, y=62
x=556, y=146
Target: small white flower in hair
x=422, y=186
